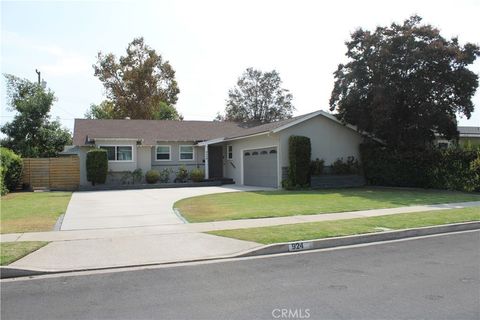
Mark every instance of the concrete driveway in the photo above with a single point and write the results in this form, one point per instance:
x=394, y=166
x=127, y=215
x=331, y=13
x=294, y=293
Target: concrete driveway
x=131, y=208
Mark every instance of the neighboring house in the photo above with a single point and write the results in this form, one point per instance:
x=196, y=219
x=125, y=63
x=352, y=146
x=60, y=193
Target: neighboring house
x=466, y=136
x=256, y=156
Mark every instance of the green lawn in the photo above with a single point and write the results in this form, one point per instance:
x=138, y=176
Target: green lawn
x=12, y=251
x=32, y=211
x=327, y=229
x=244, y=205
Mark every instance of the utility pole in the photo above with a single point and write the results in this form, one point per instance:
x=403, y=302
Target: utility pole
x=38, y=72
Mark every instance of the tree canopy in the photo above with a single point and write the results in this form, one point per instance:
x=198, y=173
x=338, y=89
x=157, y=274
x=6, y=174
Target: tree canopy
x=404, y=83
x=139, y=85
x=32, y=133
x=258, y=97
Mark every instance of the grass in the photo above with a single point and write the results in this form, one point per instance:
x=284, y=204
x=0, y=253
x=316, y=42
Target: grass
x=32, y=211
x=12, y=251
x=244, y=205
x=327, y=229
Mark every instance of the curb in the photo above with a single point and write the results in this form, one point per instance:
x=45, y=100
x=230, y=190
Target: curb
x=360, y=239
x=8, y=272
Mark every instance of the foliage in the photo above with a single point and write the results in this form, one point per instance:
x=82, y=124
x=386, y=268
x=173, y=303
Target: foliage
x=127, y=178
x=11, y=170
x=152, y=176
x=97, y=166
x=197, y=175
x=137, y=83
x=3, y=188
x=182, y=174
x=453, y=168
x=350, y=166
x=137, y=175
x=165, y=175
x=299, y=153
x=32, y=134
x=104, y=110
x=404, y=83
x=316, y=167
x=258, y=97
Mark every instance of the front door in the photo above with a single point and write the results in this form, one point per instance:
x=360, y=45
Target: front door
x=215, y=162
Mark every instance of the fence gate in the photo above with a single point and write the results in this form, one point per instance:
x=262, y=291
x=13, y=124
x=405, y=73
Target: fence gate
x=51, y=173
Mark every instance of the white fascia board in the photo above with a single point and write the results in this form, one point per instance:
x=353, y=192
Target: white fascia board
x=117, y=139
x=213, y=141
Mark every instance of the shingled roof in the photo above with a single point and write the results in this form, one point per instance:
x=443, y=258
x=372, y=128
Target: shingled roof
x=151, y=131
x=469, y=131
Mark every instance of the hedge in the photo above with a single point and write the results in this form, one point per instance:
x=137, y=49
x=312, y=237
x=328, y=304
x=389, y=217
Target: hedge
x=452, y=169
x=11, y=170
x=299, y=154
x=97, y=166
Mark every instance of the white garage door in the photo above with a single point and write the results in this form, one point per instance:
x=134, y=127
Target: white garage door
x=260, y=167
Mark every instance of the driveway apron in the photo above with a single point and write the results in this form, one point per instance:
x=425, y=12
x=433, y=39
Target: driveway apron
x=130, y=208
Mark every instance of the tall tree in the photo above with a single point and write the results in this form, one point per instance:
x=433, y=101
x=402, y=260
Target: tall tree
x=32, y=133
x=404, y=83
x=138, y=82
x=106, y=110
x=258, y=97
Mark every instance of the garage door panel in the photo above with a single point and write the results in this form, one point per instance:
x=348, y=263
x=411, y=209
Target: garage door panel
x=260, y=167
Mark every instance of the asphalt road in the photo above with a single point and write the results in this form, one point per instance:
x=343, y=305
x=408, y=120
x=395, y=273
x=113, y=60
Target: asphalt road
x=430, y=278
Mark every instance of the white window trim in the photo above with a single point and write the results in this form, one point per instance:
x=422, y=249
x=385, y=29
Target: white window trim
x=119, y=145
x=229, y=146
x=169, y=152
x=180, y=152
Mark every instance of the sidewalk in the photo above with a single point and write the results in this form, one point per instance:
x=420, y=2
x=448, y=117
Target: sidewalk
x=119, y=247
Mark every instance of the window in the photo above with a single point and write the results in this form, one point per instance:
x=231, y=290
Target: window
x=119, y=153
x=255, y=153
x=264, y=152
x=229, y=152
x=247, y=153
x=273, y=151
x=110, y=152
x=163, y=153
x=186, y=152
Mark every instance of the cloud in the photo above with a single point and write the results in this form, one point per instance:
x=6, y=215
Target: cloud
x=57, y=61
x=65, y=63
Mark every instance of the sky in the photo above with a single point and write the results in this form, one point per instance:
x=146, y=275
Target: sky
x=208, y=43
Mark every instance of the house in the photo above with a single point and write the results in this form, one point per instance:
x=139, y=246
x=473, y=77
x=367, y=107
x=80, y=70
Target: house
x=256, y=156
x=466, y=136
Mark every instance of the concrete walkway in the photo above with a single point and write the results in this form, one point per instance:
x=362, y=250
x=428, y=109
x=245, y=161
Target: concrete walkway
x=165, y=243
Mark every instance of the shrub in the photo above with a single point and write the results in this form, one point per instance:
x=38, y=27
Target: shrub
x=137, y=175
x=165, y=175
x=97, y=166
x=299, y=153
x=316, y=167
x=350, y=166
x=152, y=176
x=11, y=172
x=197, y=175
x=182, y=174
x=452, y=169
x=127, y=177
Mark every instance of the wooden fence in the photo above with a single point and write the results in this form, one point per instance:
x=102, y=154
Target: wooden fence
x=51, y=173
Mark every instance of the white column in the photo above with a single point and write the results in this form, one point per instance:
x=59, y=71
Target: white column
x=206, y=161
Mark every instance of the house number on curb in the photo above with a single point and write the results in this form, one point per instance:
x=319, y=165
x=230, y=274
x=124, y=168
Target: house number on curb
x=299, y=246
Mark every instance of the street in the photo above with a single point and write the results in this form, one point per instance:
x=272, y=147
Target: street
x=434, y=277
